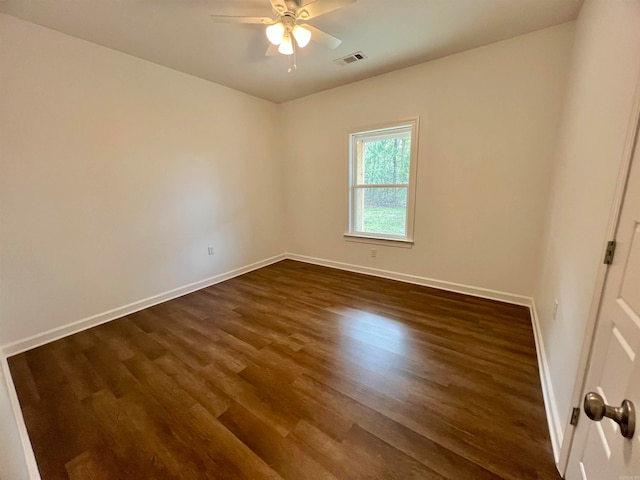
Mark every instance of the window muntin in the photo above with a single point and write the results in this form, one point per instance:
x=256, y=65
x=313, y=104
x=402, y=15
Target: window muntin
x=382, y=181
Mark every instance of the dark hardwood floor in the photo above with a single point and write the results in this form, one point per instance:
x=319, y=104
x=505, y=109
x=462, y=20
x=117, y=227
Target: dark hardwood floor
x=293, y=371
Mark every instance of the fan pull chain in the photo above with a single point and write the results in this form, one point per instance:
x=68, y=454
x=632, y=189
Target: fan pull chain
x=295, y=66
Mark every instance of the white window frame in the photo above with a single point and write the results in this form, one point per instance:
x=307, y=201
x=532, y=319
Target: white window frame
x=380, y=132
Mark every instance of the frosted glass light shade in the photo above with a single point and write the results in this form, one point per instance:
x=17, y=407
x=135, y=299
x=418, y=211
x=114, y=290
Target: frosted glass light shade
x=286, y=47
x=302, y=36
x=275, y=33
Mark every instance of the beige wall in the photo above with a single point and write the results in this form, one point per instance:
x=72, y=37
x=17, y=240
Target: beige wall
x=488, y=117
x=115, y=176
x=596, y=123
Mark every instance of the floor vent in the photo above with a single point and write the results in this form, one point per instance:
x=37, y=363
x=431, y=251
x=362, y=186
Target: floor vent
x=349, y=59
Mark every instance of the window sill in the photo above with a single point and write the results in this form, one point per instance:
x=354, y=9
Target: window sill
x=391, y=242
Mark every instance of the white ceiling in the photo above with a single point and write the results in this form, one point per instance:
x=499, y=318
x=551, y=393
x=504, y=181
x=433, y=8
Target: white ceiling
x=391, y=33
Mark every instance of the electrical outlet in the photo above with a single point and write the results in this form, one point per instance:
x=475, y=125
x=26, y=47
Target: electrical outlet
x=374, y=252
x=210, y=249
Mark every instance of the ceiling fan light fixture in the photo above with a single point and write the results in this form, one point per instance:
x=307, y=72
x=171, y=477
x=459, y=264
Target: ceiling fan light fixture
x=286, y=46
x=302, y=36
x=275, y=33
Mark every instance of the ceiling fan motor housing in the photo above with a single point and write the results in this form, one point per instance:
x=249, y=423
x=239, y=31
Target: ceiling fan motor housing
x=288, y=19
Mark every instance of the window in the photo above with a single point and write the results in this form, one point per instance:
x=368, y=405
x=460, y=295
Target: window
x=382, y=177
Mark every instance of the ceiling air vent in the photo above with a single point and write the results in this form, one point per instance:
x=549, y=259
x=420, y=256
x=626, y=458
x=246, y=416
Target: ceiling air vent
x=349, y=59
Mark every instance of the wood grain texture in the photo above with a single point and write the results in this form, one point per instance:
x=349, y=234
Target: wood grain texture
x=293, y=371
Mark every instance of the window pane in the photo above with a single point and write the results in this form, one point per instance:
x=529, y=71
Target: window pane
x=382, y=210
x=386, y=161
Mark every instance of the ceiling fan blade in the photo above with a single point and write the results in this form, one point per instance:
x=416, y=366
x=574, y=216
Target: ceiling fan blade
x=279, y=6
x=323, y=38
x=241, y=19
x=272, y=51
x=320, y=7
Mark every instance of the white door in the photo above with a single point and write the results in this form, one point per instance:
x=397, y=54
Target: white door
x=599, y=451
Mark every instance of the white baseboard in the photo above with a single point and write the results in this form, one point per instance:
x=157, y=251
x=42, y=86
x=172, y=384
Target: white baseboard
x=79, y=325
x=25, y=443
x=550, y=404
x=417, y=280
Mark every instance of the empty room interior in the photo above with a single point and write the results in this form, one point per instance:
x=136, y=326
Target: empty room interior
x=394, y=246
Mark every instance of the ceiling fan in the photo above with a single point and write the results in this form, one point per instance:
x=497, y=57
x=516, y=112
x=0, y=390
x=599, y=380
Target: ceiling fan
x=284, y=29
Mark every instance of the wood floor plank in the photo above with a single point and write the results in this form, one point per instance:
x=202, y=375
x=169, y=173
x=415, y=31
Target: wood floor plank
x=89, y=465
x=79, y=373
x=225, y=443
x=283, y=455
x=293, y=372
x=246, y=395
x=389, y=462
x=138, y=438
x=330, y=453
x=430, y=453
x=205, y=393
x=288, y=400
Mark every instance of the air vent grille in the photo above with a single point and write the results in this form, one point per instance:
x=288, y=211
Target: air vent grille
x=349, y=59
